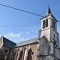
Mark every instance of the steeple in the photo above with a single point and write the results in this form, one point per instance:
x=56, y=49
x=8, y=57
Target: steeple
x=48, y=11
x=49, y=27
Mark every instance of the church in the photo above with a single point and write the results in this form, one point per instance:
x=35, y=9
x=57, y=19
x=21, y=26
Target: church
x=44, y=47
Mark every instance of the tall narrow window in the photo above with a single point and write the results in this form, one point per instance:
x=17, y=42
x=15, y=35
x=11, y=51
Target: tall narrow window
x=29, y=55
x=46, y=22
x=21, y=55
x=53, y=24
x=54, y=35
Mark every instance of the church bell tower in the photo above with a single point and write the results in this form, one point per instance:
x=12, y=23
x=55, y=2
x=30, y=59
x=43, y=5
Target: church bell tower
x=49, y=27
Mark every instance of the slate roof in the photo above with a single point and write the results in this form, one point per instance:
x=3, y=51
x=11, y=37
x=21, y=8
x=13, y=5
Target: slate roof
x=31, y=41
x=8, y=43
x=49, y=11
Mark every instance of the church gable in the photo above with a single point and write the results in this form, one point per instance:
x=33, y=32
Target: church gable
x=8, y=43
x=44, y=46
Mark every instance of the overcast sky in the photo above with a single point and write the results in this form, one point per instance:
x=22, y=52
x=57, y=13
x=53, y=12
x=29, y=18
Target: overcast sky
x=25, y=26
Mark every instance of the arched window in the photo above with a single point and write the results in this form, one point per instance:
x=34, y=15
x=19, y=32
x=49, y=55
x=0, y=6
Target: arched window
x=53, y=24
x=14, y=53
x=21, y=55
x=44, y=24
x=29, y=54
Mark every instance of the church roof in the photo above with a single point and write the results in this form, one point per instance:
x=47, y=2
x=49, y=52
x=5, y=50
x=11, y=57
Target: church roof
x=49, y=15
x=48, y=11
x=28, y=42
x=8, y=43
x=31, y=41
x=43, y=44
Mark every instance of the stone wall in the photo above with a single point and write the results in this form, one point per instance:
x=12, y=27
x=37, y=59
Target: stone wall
x=28, y=52
x=4, y=53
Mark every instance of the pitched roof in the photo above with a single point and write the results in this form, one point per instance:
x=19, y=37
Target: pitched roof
x=48, y=11
x=8, y=43
x=31, y=41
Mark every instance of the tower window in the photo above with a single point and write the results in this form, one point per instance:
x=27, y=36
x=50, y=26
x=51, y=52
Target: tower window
x=53, y=24
x=54, y=35
x=46, y=22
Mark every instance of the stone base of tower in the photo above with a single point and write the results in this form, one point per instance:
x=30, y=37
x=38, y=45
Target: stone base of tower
x=48, y=57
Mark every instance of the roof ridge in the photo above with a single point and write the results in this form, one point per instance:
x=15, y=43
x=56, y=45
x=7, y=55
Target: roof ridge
x=28, y=40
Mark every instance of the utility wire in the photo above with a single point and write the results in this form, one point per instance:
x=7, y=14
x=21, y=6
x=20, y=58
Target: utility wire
x=21, y=10
x=16, y=28
x=58, y=21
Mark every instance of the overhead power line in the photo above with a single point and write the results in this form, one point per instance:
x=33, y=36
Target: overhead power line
x=21, y=10
x=16, y=28
x=58, y=21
